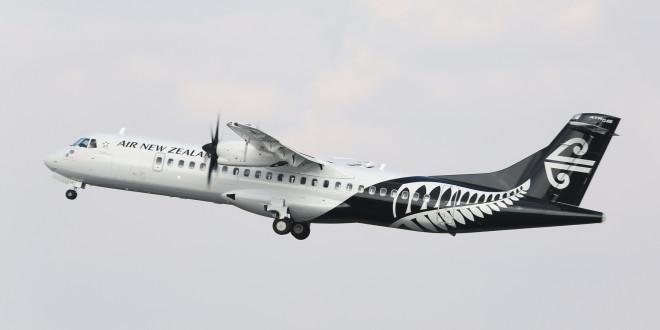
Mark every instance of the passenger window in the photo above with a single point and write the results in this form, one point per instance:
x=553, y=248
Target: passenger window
x=349, y=187
x=170, y=162
x=372, y=190
x=225, y=169
x=292, y=179
x=191, y=165
x=416, y=196
x=159, y=160
x=303, y=180
x=269, y=175
x=257, y=174
x=383, y=191
x=393, y=193
x=326, y=184
x=181, y=163
x=314, y=182
x=202, y=166
x=280, y=177
x=361, y=189
x=92, y=143
x=404, y=195
x=337, y=185
x=236, y=170
x=246, y=172
x=427, y=198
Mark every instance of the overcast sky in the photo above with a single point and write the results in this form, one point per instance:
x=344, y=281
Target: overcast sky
x=428, y=87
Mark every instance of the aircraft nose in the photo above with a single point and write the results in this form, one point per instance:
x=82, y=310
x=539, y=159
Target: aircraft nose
x=51, y=161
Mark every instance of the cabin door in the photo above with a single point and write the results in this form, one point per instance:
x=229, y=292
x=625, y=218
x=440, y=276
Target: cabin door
x=159, y=160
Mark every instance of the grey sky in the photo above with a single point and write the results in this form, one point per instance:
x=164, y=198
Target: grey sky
x=426, y=87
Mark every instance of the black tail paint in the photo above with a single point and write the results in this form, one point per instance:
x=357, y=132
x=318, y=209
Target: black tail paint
x=562, y=171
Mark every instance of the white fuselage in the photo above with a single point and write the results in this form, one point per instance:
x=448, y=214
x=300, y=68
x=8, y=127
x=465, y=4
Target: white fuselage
x=244, y=178
x=263, y=176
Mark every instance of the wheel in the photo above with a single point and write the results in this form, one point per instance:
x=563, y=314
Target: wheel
x=282, y=226
x=71, y=194
x=300, y=230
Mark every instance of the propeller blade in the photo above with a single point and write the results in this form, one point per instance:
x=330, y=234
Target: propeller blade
x=212, y=150
x=208, y=178
x=212, y=167
x=217, y=127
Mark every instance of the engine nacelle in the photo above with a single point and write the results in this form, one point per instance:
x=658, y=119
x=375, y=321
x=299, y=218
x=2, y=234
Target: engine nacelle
x=234, y=153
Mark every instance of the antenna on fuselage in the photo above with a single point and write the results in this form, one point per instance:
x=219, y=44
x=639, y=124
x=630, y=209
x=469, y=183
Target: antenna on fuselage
x=122, y=130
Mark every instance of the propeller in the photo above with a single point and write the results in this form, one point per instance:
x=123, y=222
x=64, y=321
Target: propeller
x=212, y=149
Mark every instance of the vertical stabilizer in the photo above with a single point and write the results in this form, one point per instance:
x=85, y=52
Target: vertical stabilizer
x=562, y=171
x=572, y=158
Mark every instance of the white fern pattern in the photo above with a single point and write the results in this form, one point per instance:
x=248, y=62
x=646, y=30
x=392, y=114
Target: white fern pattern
x=442, y=215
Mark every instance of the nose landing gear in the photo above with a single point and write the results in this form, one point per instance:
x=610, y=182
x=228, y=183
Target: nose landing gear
x=71, y=194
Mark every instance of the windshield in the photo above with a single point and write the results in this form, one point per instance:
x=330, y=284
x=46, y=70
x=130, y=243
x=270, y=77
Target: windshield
x=81, y=143
x=77, y=142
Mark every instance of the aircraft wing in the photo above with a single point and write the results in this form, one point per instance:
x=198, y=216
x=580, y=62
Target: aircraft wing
x=265, y=143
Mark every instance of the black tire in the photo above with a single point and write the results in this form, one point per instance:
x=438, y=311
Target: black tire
x=300, y=230
x=71, y=194
x=282, y=226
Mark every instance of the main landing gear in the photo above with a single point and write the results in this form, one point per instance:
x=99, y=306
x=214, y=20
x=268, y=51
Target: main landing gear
x=299, y=230
x=71, y=194
x=282, y=226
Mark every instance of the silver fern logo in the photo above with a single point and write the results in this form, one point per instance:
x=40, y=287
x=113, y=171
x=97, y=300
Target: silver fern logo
x=567, y=164
x=464, y=205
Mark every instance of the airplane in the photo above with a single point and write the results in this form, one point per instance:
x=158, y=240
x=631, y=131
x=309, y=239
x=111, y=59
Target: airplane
x=265, y=177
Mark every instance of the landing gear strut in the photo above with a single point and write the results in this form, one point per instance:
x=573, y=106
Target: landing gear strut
x=71, y=194
x=300, y=230
x=281, y=226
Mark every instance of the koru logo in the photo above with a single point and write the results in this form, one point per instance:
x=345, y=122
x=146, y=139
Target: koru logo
x=567, y=164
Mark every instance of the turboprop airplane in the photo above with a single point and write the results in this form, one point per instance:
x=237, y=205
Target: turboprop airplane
x=263, y=176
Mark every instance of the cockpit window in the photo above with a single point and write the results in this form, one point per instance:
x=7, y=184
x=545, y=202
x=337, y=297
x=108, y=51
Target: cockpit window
x=92, y=143
x=82, y=142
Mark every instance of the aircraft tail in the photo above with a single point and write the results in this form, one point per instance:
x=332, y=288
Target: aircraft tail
x=562, y=171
